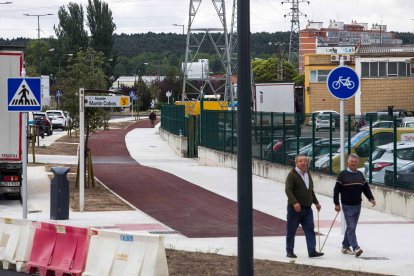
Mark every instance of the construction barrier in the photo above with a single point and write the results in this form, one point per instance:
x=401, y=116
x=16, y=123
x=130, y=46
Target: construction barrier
x=16, y=237
x=58, y=249
x=116, y=253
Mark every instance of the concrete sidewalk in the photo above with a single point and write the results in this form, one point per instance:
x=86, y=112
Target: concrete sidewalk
x=386, y=239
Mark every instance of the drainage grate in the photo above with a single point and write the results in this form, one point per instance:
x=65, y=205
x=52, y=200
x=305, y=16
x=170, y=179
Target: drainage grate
x=172, y=232
x=374, y=258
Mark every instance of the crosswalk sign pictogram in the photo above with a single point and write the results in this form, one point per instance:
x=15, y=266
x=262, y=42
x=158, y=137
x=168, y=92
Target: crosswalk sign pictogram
x=24, y=94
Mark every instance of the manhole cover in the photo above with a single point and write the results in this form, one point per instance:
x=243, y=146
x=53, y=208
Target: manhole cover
x=374, y=258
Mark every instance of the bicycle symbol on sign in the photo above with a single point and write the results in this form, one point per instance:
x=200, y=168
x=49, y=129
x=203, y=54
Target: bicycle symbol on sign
x=343, y=82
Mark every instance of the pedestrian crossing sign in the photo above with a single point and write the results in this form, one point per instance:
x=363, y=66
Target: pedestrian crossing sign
x=24, y=94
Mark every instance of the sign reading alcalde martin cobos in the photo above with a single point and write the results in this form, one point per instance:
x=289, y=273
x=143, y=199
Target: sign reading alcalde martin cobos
x=107, y=101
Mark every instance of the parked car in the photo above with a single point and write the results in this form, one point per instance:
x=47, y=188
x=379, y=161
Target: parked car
x=290, y=145
x=41, y=120
x=324, y=122
x=226, y=134
x=59, y=118
x=322, y=156
x=379, y=124
x=317, y=113
x=407, y=122
x=404, y=179
x=363, y=120
x=383, y=157
x=321, y=147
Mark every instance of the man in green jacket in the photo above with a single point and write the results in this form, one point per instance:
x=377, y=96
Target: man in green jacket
x=299, y=190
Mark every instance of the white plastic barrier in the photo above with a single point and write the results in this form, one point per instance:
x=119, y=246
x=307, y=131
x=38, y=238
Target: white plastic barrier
x=16, y=238
x=118, y=253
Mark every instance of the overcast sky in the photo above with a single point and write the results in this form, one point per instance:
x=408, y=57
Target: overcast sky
x=141, y=16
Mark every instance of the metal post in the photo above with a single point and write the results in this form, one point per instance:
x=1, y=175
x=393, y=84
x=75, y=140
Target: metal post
x=81, y=149
x=24, y=156
x=244, y=145
x=342, y=141
x=24, y=164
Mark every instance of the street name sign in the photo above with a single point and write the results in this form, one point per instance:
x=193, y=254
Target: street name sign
x=343, y=82
x=106, y=101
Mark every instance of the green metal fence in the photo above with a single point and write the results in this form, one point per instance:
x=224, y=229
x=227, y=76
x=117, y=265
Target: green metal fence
x=279, y=137
x=173, y=119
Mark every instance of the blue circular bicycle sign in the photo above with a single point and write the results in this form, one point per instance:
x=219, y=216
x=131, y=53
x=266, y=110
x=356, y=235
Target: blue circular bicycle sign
x=343, y=82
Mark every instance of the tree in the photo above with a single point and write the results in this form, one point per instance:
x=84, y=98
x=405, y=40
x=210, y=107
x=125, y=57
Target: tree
x=38, y=58
x=70, y=32
x=101, y=26
x=268, y=70
x=85, y=72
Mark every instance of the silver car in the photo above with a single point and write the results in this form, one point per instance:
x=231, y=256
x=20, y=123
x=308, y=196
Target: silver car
x=383, y=157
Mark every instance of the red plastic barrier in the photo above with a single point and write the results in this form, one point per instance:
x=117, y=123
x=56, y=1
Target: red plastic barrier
x=43, y=244
x=59, y=249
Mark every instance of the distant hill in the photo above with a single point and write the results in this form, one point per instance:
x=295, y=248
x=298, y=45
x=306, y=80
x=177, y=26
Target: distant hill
x=136, y=44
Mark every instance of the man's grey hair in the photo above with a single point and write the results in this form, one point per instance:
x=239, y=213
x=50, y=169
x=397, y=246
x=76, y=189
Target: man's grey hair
x=353, y=155
x=299, y=155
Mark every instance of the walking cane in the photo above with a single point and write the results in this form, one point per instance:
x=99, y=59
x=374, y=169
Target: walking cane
x=329, y=231
x=319, y=235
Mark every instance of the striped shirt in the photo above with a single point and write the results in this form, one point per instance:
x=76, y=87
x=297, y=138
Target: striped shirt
x=350, y=185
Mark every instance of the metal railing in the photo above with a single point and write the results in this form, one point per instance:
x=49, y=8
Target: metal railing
x=173, y=119
x=279, y=137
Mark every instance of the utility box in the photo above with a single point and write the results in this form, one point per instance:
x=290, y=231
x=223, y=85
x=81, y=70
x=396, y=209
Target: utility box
x=59, y=194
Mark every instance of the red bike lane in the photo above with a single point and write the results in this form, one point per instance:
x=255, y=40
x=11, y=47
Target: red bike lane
x=183, y=206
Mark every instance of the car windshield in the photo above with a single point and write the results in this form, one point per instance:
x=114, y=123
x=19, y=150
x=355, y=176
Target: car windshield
x=358, y=137
x=378, y=153
x=54, y=114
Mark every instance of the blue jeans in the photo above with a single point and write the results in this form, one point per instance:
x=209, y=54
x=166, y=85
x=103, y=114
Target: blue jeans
x=305, y=218
x=351, y=214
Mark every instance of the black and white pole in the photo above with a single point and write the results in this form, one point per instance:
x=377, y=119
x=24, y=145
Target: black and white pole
x=81, y=149
x=24, y=157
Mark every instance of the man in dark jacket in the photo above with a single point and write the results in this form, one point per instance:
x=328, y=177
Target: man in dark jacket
x=299, y=190
x=351, y=184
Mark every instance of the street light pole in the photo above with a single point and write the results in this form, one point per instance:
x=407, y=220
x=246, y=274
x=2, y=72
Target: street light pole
x=182, y=25
x=38, y=21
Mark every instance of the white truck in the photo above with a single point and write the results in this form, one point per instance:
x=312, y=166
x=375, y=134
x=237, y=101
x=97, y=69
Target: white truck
x=11, y=62
x=276, y=98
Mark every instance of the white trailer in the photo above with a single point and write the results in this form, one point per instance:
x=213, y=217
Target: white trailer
x=11, y=62
x=275, y=97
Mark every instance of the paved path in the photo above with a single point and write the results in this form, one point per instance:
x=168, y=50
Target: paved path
x=189, y=209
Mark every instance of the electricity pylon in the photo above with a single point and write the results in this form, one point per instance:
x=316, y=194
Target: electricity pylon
x=295, y=13
x=196, y=38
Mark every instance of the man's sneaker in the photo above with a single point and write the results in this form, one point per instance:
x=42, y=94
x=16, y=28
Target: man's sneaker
x=291, y=255
x=347, y=250
x=315, y=254
x=358, y=252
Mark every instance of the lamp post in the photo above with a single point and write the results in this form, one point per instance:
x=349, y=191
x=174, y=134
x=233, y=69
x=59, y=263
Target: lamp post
x=281, y=53
x=38, y=21
x=60, y=59
x=182, y=25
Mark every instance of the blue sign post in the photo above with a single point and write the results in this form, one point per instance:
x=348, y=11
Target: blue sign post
x=343, y=83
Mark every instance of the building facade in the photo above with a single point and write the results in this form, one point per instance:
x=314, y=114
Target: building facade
x=339, y=37
x=386, y=79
